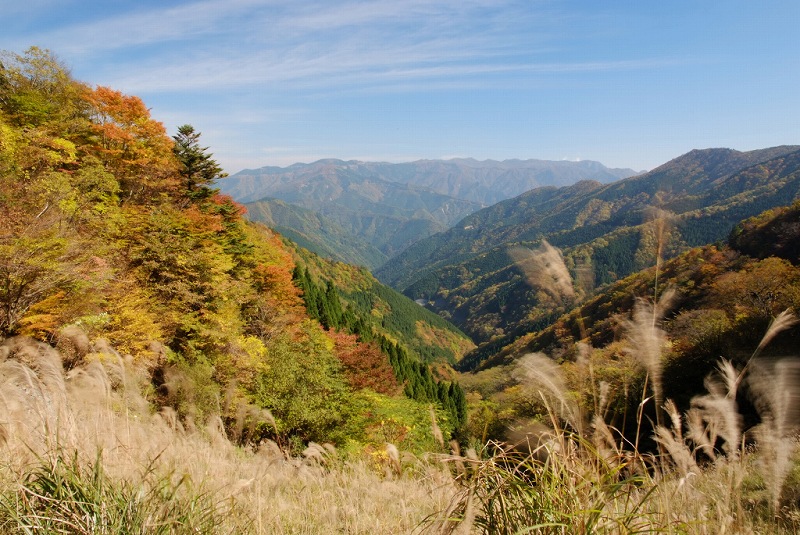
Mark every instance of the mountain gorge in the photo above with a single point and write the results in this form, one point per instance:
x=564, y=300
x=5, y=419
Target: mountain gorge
x=464, y=273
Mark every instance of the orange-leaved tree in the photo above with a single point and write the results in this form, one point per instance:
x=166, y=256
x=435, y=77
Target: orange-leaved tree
x=135, y=147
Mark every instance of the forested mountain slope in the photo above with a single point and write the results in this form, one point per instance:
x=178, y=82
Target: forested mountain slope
x=605, y=232
x=375, y=310
x=713, y=302
x=315, y=232
x=114, y=244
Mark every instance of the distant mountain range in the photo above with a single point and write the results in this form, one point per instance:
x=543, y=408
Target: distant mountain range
x=467, y=275
x=488, y=182
x=388, y=207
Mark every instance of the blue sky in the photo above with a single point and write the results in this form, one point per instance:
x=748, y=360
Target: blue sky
x=627, y=83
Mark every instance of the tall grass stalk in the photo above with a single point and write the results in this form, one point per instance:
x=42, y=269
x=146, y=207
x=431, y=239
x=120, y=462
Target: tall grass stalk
x=565, y=480
x=544, y=268
x=70, y=495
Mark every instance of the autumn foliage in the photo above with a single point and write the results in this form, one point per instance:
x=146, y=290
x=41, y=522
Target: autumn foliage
x=111, y=227
x=364, y=365
x=132, y=144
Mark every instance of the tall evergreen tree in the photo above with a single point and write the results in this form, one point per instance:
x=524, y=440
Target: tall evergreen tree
x=199, y=169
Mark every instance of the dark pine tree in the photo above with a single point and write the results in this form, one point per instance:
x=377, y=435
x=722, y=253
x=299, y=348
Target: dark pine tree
x=199, y=169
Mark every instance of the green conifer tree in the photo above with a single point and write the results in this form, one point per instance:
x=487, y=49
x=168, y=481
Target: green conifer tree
x=199, y=169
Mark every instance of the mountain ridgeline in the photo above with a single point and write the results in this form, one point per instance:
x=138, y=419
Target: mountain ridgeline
x=388, y=207
x=605, y=233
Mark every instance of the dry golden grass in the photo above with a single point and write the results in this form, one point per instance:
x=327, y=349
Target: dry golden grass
x=99, y=407
x=578, y=475
x=82, y=452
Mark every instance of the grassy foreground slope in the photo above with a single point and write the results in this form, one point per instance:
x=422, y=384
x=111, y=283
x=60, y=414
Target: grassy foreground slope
x=83, y=452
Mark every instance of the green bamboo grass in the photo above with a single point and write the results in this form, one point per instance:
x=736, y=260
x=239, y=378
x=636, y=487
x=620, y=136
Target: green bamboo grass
x=60, y=494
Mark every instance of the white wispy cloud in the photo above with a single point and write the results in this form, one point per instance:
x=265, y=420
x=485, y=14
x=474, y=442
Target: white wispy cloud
x=147, y=27
x=217, y=44
x=384, y=69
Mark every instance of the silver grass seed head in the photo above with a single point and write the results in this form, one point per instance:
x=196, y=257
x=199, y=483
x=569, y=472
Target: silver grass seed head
x=544, y=268
x=783, y=321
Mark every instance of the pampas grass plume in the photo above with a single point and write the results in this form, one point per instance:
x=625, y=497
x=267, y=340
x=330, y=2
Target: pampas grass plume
x=544, y=268
x=542, y=377
x=783, y=321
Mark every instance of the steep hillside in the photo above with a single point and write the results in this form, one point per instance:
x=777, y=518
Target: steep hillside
x=605, y=232
x=717, y=301
x=314, y=232
x=115, y=247
x=382, y=312
x=773, y=233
